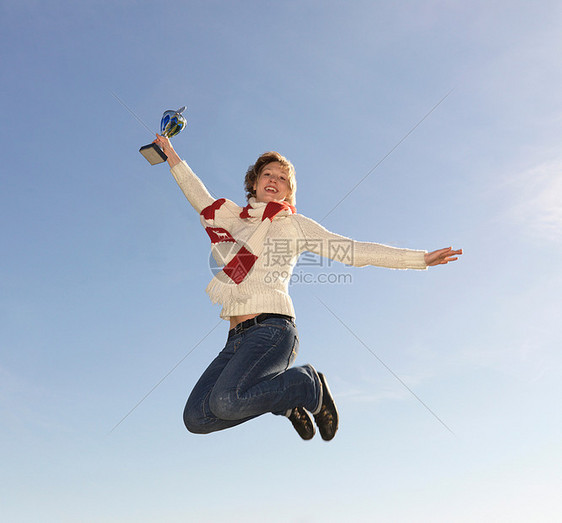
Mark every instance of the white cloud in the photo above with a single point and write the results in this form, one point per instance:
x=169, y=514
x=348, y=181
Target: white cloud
x=379, y=385
x=537, y=201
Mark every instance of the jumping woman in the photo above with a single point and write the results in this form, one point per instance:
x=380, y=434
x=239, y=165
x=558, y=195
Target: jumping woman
x=252, y=375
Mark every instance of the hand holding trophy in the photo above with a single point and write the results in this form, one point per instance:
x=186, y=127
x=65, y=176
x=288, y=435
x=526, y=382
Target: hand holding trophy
x=172, y=123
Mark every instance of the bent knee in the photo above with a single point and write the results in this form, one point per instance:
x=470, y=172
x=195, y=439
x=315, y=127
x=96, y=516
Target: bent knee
x=226, y=406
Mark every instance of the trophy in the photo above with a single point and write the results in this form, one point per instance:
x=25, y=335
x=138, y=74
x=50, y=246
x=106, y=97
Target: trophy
x=172, y=123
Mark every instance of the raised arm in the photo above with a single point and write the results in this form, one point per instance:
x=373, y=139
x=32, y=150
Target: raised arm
x=193, y=188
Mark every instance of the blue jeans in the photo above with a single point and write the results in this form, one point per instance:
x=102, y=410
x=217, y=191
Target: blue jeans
x=251, y=376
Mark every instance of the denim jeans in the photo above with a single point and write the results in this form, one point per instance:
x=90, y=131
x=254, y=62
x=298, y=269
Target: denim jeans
x=251, y=376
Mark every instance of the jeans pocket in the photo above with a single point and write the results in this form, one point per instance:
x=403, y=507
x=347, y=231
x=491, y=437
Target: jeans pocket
x=294, y=351
x=270, y=330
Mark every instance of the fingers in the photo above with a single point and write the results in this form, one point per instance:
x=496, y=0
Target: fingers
x=163, y=142
x=451, y=256
x=443, y=256
x=448, y=251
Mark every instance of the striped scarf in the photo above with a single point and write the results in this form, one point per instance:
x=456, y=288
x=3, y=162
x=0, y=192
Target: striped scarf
x=239, y=258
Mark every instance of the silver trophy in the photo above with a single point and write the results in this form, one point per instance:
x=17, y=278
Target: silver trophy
x=172, y=123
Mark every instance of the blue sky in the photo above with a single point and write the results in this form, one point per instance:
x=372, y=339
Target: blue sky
x=104, y=264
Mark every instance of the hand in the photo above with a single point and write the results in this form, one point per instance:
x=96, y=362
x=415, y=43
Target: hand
x=164, y=143
x=442, y=256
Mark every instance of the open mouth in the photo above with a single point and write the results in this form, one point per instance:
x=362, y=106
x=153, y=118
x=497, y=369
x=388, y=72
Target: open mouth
x=272, y=190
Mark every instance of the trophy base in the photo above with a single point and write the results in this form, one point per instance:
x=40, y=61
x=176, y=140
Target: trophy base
x=153, y=154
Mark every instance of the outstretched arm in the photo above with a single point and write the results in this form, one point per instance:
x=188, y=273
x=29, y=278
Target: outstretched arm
x=442, y=256
x=357, y=253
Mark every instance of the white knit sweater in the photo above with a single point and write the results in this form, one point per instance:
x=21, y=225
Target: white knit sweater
x=266, y=288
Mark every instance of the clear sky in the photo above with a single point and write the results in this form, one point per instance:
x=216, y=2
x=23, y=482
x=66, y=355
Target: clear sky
x=103, y=263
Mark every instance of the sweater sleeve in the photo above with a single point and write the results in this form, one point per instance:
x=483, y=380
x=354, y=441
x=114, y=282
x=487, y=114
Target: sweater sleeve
x=319, y=240
x=192, y=186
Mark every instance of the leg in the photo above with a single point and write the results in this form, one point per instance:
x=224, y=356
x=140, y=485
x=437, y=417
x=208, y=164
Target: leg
x=250, y=377
x=197, y=415
x=257, y=379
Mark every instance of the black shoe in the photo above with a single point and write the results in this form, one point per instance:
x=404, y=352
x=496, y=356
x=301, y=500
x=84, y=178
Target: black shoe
x=327, y=419
x=303, y=423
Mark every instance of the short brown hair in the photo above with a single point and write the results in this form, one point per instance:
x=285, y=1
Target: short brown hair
x=254, y=171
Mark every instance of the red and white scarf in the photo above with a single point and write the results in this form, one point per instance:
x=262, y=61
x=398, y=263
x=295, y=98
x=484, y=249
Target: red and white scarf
x=218, y=218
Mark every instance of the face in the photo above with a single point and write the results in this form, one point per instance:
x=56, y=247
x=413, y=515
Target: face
x=272, y=184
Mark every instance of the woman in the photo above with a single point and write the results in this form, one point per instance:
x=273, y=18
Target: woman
x=252, y=375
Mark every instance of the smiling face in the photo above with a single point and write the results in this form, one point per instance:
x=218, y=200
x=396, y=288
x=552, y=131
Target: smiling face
x=272, y=183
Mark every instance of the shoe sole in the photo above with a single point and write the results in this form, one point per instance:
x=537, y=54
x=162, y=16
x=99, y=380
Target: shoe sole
x=308, y=435
x=328, y=400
